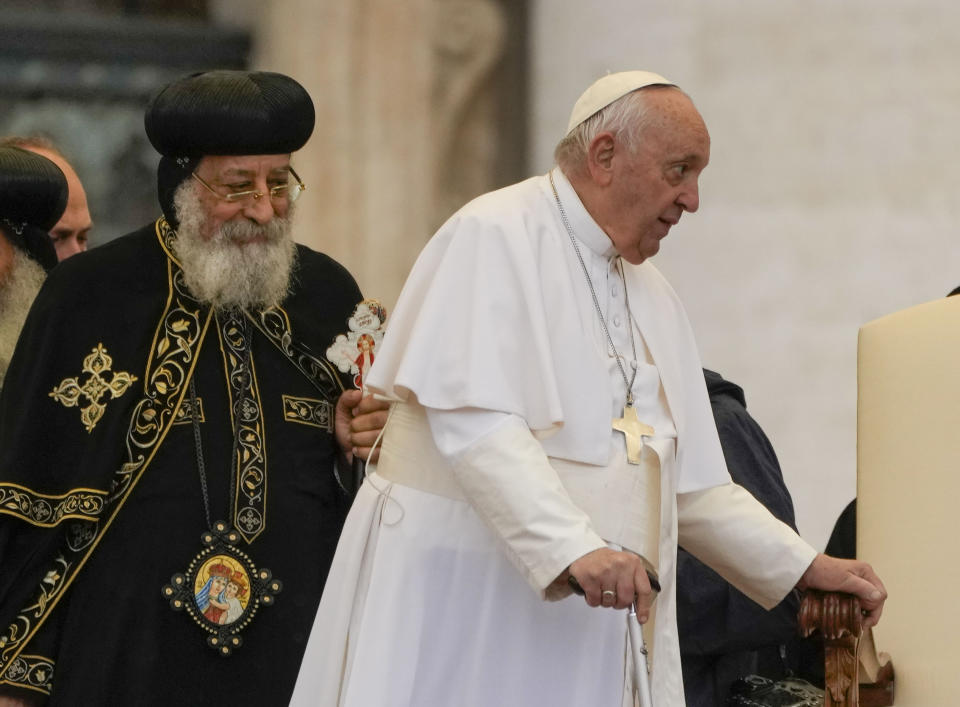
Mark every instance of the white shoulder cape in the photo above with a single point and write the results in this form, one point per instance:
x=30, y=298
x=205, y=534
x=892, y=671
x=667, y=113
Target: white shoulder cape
x=491, y=318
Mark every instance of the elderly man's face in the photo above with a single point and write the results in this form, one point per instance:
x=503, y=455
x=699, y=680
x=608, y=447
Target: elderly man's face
x=649, y=190
x=233, y=174
x=239, y=253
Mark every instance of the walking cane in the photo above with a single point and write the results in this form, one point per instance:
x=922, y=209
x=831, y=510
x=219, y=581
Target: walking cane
x=641, y=674
x=638, y=649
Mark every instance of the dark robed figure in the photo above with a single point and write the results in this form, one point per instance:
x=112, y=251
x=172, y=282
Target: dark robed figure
x=33, y=194
x=724, y=635
x=168, y=386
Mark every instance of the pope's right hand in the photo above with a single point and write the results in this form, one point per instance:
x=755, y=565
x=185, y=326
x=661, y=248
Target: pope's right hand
x=603, y=571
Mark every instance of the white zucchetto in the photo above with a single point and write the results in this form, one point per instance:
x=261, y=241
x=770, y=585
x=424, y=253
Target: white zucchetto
x=611, y=87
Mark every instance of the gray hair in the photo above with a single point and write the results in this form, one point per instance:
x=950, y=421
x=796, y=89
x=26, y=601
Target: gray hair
x=626, y=118
x=17, y=291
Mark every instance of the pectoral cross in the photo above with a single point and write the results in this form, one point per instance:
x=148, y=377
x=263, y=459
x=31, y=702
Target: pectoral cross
x=633, y=430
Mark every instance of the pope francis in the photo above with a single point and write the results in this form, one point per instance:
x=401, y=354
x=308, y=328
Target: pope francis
x=550, y=421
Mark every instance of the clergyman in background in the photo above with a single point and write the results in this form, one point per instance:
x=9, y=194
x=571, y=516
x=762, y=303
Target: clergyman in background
x=71, y=233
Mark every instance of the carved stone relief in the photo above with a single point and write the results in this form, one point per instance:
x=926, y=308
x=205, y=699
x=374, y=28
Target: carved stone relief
x=469, y=41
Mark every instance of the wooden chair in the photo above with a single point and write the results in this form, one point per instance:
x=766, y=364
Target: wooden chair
x=849, y=654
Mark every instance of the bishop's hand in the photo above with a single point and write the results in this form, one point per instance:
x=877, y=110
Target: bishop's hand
x=359, y=420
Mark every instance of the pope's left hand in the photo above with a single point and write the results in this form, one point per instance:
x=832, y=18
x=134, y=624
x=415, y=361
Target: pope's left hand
x=831, y=574
x=359, y=419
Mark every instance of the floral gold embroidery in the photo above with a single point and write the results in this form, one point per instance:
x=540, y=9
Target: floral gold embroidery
x=177, y=341
x=46, y=510
x=308, y=411
x=27, y=670
x=31, y=671
x=185, y=412
x=274, y=323
x=94, y=387
x=249, y=512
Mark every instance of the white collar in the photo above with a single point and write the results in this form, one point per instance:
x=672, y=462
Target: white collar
x=584, y=227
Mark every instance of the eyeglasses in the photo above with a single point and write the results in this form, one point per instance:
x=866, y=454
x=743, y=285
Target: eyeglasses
x=277, y=193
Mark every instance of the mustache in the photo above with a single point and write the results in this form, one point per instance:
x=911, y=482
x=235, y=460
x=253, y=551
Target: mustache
x=243, y=231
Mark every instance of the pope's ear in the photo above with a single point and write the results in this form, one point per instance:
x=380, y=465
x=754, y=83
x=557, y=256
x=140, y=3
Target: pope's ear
x=600, y=158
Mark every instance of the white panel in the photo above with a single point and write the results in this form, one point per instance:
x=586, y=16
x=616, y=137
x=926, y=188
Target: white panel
x=908, y=452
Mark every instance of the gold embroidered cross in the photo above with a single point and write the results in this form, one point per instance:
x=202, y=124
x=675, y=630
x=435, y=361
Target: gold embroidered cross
x=633, y=430
x=70, y=390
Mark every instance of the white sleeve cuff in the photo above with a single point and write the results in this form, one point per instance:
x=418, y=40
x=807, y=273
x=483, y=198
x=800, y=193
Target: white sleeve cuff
x=733, y=533
x=507, y=478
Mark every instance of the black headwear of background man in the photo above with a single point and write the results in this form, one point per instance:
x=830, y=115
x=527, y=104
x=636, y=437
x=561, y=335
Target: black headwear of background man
x=33, y=195
x=71, y=233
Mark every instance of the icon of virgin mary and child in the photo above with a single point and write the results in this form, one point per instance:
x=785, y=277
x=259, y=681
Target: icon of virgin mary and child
x=220, y=599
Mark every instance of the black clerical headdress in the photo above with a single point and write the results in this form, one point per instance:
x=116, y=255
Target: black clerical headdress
x=224, y=113
x=33, y=195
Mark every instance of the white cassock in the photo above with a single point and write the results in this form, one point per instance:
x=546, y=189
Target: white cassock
x=500, y=467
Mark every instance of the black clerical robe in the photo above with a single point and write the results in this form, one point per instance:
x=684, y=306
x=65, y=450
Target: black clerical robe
x=101, y=501
x=723, y=634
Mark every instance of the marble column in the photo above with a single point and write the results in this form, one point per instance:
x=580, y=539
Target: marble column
x=404, y=128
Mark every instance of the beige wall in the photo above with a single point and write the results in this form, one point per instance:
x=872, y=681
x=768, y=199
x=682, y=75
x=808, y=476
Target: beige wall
x=831, y=198
x=829, y=201
x=367, y=67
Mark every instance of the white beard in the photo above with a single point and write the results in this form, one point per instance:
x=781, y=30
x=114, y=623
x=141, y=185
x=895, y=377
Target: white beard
x=221, y=272
x=17, y=292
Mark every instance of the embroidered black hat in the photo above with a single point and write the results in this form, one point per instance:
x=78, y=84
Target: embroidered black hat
x=33, y=195
x=224, y=113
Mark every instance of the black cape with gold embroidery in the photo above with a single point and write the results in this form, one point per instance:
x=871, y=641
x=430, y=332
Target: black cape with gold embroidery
x=100, y=498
